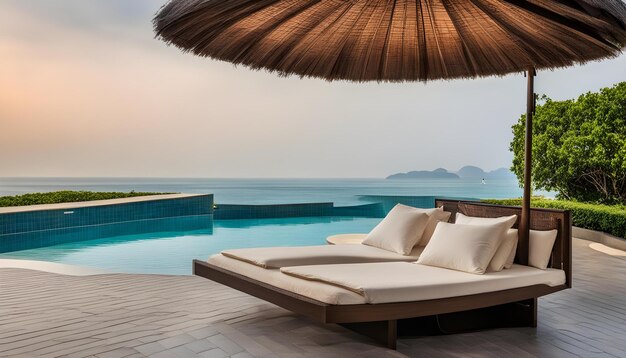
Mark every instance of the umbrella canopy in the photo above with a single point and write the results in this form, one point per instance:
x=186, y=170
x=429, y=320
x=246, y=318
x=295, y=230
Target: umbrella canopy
x=396, y=40
x=402, y=40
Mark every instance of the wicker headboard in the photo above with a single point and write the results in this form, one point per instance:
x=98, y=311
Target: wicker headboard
x=540, y=219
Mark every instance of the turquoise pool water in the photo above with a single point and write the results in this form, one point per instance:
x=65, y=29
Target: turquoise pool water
x=172, y=252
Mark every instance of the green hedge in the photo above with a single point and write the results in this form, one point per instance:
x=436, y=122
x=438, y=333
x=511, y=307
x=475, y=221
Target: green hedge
x=607, y=218
x=65, y=196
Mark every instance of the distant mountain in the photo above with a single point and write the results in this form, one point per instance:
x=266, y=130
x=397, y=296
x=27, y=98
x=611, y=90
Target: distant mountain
x=467, y=172
x=471, y=172
x=425, y=174
x=502, y=173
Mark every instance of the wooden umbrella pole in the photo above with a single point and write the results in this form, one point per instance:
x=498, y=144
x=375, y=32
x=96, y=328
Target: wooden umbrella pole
x=524, y=226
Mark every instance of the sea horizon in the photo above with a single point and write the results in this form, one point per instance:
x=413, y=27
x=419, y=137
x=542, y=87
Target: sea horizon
x=341, y=191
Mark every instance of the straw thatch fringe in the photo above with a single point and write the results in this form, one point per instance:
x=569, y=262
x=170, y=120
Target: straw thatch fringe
x=616, y=8
x=396, y=40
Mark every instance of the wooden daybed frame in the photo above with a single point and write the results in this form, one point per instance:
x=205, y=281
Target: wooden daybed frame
x=385, y=322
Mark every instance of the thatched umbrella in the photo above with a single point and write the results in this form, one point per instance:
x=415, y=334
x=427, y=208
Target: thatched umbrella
x=401, y=40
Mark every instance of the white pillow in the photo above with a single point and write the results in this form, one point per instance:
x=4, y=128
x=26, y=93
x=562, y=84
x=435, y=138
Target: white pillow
x=436, y=217
x=503, y=254
x=473, y=220
x=540, y=248
x=461, y=247
x=399, y=231
x=511, y=258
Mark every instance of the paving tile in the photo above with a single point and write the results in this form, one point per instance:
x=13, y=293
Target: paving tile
x=200, y=345
x=119, y=315
x=203, y=332
x=164, y=354
x=225, y=344
x=213, y=353
x=176, y=341
x=150, y=348
x=242, y=355
x=117, y=353
x=179, y=352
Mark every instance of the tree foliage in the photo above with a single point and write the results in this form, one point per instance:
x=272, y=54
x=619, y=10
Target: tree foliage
x=579, y=146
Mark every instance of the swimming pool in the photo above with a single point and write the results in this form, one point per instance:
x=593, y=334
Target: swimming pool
x=171, y=252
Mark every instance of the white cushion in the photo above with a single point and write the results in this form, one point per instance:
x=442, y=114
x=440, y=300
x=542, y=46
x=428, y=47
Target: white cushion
x=511, y=258
x=473, y=220
x=503, y=254
x=316, y=290
x=407, y=282
x=508, y=243
x=400, y=230
x=436, y=215
x=277, y=257
x=461, y=247
x=540, y=248
x=435, y=218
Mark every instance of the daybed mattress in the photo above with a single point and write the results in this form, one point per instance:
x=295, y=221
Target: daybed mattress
x=320, y=291
x=348, y=284
x=403, y=282
x=277, y=257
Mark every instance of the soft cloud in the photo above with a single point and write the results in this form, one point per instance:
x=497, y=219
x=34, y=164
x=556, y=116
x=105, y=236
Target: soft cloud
x=85, y=90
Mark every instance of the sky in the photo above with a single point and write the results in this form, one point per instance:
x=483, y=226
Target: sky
x=87, y=91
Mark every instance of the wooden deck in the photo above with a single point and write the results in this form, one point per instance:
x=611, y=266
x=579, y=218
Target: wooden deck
x=123, y=315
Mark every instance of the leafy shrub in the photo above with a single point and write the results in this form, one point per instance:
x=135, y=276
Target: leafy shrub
x=607, y=218
x=65, y=196
x=579, y=146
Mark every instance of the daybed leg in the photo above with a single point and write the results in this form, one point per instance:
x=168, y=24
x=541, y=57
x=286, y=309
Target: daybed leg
x=384, y=332
x=392, y=334
x=528, y=315
x=522, y=313
x=516, y=314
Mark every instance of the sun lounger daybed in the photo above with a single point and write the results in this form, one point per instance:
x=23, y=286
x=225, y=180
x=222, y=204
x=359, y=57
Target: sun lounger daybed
x=382, y=300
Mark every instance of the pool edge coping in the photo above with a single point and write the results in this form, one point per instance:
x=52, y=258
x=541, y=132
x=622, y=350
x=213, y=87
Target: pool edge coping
x=52, y=267
x=93, y=203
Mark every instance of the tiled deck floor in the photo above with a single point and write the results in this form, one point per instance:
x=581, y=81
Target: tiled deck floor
x=119, y=315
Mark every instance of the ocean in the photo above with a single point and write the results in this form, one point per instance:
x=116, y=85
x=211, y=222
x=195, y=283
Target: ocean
x=278, y=191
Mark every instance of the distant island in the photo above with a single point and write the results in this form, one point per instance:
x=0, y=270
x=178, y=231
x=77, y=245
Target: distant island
x=467, y=172
x=425, y=174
